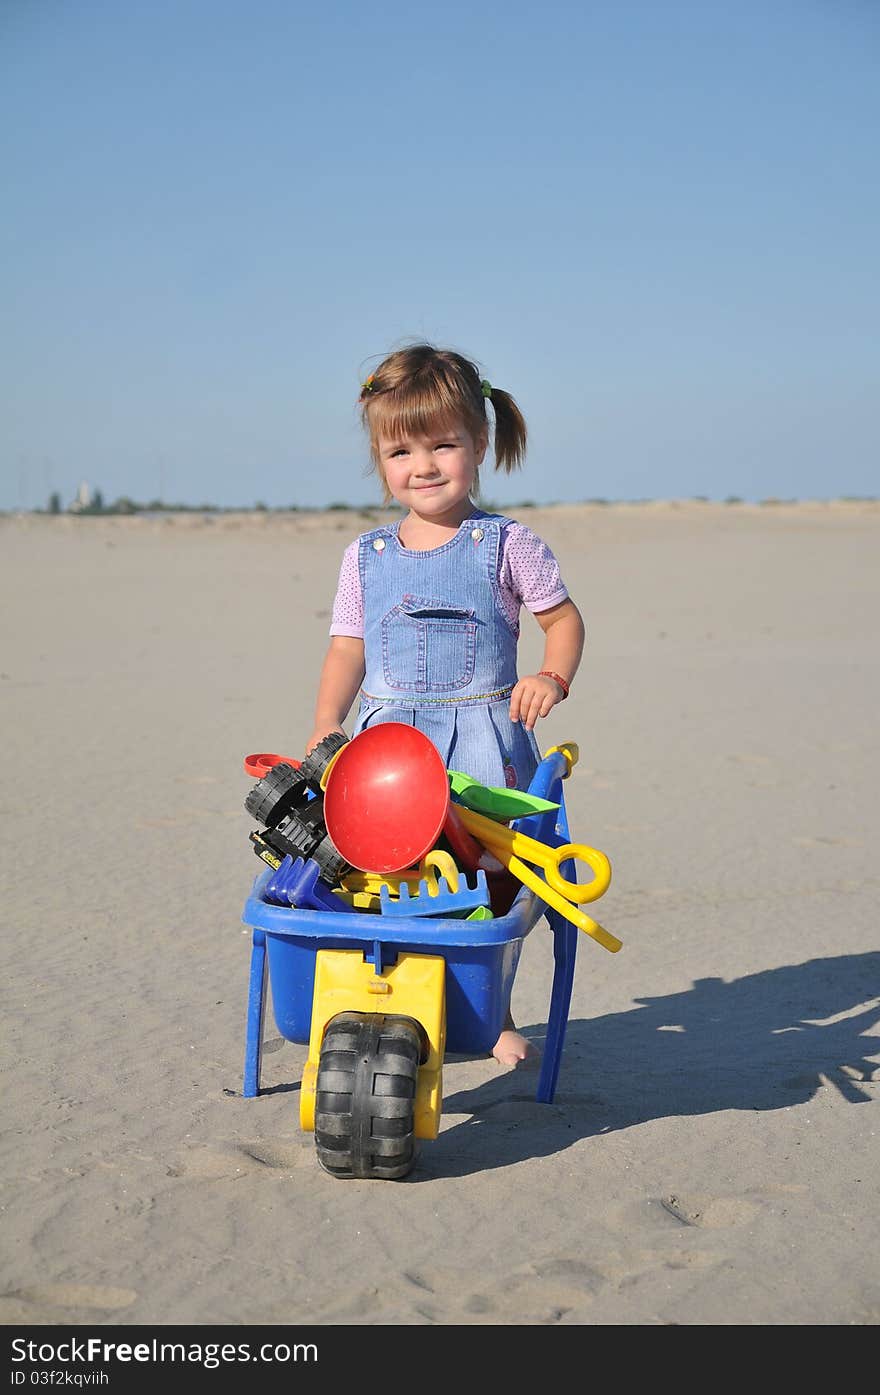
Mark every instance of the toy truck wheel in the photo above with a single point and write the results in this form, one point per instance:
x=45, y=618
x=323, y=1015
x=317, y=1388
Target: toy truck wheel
x=313, y=765
x=331, y=862
x=273, y=797
x=365, y=1096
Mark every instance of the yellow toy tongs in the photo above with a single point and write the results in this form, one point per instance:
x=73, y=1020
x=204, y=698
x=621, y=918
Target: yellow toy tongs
x=515, y=850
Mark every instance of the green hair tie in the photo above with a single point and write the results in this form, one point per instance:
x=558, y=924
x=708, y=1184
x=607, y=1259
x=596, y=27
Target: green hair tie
x=486, y=387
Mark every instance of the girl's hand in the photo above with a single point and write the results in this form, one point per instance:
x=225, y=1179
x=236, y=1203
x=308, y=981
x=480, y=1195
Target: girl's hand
x=533, y=697
x=318, y=735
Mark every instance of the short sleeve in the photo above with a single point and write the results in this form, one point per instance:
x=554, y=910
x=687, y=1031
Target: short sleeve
x=530, y=571
x=348, y=607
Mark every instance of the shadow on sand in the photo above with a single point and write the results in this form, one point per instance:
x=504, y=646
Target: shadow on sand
x=763, y=1042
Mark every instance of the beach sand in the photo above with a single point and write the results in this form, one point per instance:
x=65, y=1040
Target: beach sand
x=711, y=1155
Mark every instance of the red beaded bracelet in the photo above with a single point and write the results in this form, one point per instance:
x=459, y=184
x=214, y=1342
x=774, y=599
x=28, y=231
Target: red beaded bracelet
x=548, y=673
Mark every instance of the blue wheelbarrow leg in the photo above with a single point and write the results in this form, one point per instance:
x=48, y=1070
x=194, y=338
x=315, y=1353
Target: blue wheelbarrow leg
x=564, y=950
x=255, y=1013
x=553, y=828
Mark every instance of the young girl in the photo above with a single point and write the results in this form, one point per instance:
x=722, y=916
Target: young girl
x=426, y=617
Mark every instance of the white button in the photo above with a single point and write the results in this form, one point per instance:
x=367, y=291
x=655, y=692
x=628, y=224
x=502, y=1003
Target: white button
x=379, y=544
x=476, y=534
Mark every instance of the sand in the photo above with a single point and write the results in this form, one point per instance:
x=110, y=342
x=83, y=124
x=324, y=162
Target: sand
x=711, y=1155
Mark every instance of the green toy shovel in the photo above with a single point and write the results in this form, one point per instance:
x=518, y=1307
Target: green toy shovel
x=494, y=802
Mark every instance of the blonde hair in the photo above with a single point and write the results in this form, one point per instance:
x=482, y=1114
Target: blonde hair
x=415, y=390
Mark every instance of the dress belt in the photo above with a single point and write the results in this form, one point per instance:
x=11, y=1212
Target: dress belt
x=420, y=700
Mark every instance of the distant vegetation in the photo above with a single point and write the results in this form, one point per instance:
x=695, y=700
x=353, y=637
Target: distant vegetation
x=91, y=503
x=95, y=504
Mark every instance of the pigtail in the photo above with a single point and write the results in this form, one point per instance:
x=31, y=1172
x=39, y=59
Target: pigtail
x=510, y=431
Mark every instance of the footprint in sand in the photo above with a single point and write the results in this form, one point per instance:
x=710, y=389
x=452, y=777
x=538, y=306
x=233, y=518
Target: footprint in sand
x=544, y=1291
x=710, y=1212
x=574, y=1274
x=280, y=1154
x=825, y=840
x=97, y=1296
x=239, y=1159
x=520, y=1111
x=206, y=1165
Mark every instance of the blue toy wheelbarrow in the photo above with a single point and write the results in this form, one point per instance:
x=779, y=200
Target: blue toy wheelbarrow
x=380, y=998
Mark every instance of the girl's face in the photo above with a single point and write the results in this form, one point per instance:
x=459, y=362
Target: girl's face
x=433, y=475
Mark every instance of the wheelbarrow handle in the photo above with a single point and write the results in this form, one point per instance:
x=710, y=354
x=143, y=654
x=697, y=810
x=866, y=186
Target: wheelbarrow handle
x=570, y=752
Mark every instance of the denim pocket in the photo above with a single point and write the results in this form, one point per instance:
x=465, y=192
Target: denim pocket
x=428, y=646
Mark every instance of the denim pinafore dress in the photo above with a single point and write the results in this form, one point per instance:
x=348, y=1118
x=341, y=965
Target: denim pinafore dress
x=440, y=652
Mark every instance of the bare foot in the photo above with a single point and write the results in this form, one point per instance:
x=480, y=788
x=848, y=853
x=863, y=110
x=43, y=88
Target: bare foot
x=511, y=1049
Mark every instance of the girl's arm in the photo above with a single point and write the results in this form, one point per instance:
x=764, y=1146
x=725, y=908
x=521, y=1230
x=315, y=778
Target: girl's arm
x=341, y=676
x=536, y=695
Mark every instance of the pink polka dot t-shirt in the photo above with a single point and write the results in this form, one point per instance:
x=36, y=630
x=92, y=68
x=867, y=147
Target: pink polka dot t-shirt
x=528, y=576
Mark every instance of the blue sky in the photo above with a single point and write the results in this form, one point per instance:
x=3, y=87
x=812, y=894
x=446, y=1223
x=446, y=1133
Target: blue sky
x=655, y=222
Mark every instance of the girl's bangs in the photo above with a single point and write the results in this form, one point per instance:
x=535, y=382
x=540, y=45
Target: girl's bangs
x=414, y=412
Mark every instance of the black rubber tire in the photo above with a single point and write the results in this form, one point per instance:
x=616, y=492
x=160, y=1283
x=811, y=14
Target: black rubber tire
x=273, y=797
x=313, y=765
x=365, y=1096
x=331, y=862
